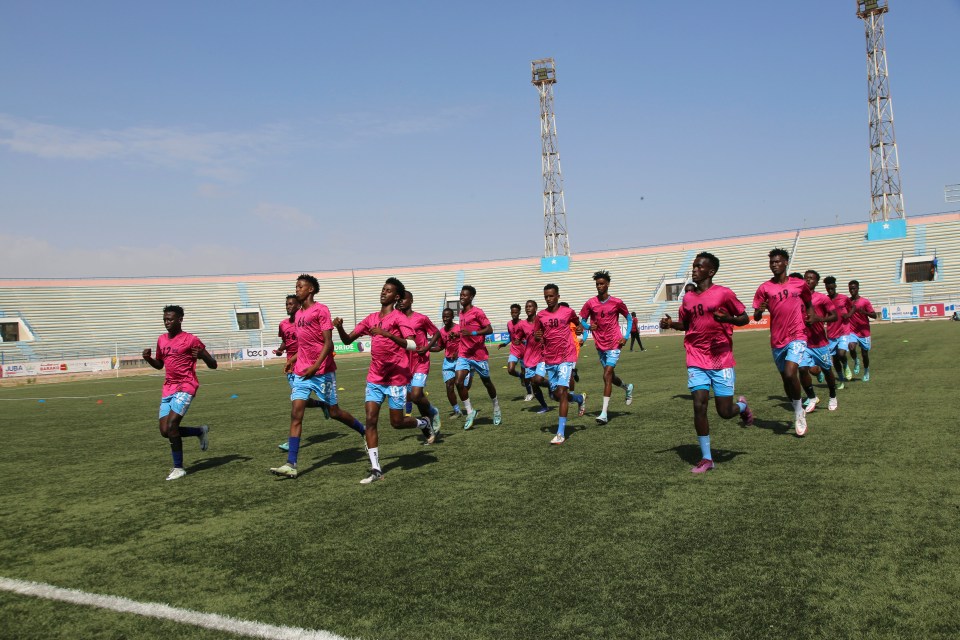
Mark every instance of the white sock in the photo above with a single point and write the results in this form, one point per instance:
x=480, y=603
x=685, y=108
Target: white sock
x=606, y=403
x=467, y=407
x=374, y=457
x=496, y=403
x=797, y=406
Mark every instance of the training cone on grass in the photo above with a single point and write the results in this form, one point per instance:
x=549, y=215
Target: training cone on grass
x=234, y=396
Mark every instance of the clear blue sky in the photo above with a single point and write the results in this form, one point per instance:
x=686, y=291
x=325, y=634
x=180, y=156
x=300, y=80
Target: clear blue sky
x=234, y=137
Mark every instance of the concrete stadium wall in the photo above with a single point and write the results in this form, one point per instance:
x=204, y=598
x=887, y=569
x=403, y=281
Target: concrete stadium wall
x=84, y=317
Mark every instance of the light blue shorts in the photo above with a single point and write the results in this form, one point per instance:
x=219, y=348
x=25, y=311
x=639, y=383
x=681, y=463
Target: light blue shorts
x=449, y=369
x=793, y=352
x=290, y=378
x=837, y=344
x=397, y=395
x=178, y=403
x=608, y=358
x=539, y=370
x=863, y=342
x=721, y=380
x=513, y=358
x=817, y=357
x=324, y=385
x=558, y=375
x=482, y=367
x=418, y=380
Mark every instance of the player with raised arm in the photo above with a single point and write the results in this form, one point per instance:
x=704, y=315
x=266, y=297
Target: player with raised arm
x=178, y=352
x=473, y=357
x=313, y=369
x=859, y=315
x=288, y=344
x=816, y=360
x=708, y=314
x=788, y=300
x=603, y=313
x=389, y=373
x=552, y=327
x=533, y=367
x=420, y=365
x=838, y=331
x=516, y=352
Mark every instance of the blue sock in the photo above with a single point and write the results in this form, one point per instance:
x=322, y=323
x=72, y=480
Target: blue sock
x=294, y=444
x=576, y=397
x=705, y=447
x=742, y=406
x=561, y=430
x=178, y=458
x=186, y=432
x=358, y=427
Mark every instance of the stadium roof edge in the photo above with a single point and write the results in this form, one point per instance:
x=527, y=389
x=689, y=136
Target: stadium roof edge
x=14, y=283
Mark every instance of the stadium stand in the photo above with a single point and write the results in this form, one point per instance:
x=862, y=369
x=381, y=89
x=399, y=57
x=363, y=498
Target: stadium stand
x=94, y=317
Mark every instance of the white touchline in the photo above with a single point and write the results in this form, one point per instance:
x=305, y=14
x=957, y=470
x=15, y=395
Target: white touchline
x=165, y=612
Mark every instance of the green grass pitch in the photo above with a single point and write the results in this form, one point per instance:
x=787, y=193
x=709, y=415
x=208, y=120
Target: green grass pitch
x=853, y=531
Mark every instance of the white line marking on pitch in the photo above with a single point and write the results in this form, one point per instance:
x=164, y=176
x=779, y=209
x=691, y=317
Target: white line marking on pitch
x=165, y=612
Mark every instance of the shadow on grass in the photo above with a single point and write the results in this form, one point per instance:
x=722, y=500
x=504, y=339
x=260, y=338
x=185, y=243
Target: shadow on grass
x=610, y=415
x=683, y=396
x=344, y=456
x=411, y=461
x=212, y=463
x=536, y=407
x=779, y=428
x=317, y=438
x=690, y=453
x=783, y=401
x=570, y=430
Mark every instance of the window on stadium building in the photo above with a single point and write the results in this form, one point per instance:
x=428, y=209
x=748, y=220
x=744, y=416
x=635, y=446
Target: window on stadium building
x=921, y=269
x=249, y=319
x=670, y=289
x=10, y=332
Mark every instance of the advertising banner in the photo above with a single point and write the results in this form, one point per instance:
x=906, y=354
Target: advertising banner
x=52, y=367
x=764, y=323
x=646, y=329
x=256, y=354
x=900, y=312
x=250, y=353
x=357, y=346
x=932, y=310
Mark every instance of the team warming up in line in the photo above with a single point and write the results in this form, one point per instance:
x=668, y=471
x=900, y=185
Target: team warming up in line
x=811, y=334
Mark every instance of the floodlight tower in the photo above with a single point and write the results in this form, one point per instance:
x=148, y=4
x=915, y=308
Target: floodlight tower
x=886, y=197
x=556, y=242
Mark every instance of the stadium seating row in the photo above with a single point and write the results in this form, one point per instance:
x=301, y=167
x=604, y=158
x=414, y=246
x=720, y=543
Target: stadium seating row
x=85, y=317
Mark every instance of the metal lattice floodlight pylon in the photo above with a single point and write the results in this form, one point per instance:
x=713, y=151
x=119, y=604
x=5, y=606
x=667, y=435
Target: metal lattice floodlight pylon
x=556, y=242
x=886, y=196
